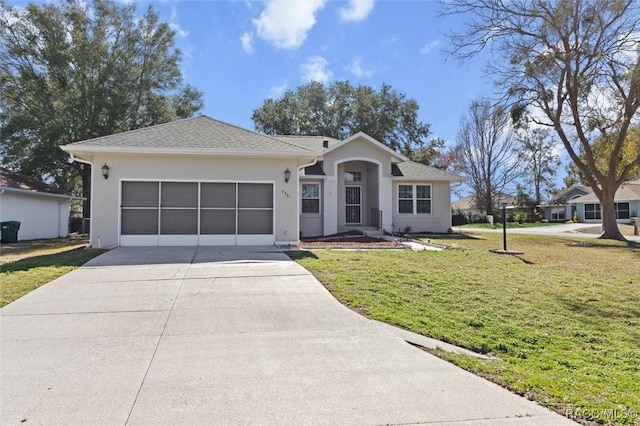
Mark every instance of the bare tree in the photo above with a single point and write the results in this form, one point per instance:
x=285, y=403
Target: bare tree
x=536, y=152
x=576, y=63
x=487, y=147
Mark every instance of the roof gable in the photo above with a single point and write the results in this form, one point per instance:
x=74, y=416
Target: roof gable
x=369, y=139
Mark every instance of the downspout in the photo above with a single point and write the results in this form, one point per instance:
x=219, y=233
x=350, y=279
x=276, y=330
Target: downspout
x=74, y=158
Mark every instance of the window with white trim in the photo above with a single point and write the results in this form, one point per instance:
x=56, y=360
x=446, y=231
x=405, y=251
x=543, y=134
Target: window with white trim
x=558, y=213
x=622, y=211
x=353, y=176
x=414, y=199
x=592, y=211
x=310, y=198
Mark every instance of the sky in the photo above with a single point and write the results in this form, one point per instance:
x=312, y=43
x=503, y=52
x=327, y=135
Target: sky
x=239, y=53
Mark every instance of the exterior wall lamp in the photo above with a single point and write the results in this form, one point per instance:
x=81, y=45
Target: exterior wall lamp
x=287, y=175
x=105, y=171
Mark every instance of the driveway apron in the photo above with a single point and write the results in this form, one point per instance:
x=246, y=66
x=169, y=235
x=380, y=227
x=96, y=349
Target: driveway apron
x=184, y=335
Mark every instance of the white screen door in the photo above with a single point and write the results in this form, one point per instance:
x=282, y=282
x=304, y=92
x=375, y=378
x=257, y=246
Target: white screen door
x=353, y=205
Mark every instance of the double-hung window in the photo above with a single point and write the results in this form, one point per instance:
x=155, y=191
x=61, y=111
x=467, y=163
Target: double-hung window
x=622, y=211
x=310, y=198
x=592, y=211
x=414, y=199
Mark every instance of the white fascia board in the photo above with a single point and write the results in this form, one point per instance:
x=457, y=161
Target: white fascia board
x=186, y=151
x=40, y=194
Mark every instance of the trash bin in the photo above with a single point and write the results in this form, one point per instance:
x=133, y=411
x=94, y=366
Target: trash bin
x=10, y=231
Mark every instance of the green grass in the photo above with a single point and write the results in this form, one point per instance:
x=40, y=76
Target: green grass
x=498, y=225
x=22, y=276
x=564, y=321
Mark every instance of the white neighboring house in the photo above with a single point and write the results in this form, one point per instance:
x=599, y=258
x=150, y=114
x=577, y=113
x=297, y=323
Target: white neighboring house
x=200, y=181
x=43, y=211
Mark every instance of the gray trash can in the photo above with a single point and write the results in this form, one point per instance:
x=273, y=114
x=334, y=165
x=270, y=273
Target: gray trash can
x=10, y=231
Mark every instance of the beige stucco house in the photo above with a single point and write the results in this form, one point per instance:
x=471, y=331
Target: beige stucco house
x=200, y=181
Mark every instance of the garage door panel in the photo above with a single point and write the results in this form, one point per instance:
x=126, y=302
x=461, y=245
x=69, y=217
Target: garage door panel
x=140, y=194
x=218, y=222
x=179, y=194
x=255, y=222
x=255, y=195
x=218, y=195
x=139, y=222
x=179, y=222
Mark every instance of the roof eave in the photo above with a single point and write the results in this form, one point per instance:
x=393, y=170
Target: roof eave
x=185, y=151
x=431, y=179
x=40, y=193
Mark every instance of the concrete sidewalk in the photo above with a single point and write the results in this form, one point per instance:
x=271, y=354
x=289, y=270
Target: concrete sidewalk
x=223, y=336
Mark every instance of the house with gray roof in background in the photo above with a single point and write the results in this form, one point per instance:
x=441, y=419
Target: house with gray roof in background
x=626, y=204
x=200, y=181
x=42, y=210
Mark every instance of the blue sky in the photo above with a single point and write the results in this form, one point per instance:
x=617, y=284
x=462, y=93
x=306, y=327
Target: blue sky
x=240, y=53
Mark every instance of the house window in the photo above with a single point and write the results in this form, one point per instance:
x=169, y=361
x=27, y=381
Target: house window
x=622, y=210
x=592, y=211
x=353, y=176
x=557, y=213
x=311, y=198
x=414, y=199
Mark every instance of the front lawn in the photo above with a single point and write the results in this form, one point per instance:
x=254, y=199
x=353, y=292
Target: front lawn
x=498, y=225
x=27, y=265
x=564, y=318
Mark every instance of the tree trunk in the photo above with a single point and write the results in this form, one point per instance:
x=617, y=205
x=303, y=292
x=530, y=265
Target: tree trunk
x=610, y=228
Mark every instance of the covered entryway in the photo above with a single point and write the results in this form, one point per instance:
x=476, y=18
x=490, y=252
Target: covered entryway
x=183, y=213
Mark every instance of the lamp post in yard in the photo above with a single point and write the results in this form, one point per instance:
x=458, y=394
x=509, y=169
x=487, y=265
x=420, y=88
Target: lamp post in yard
x=503, y=203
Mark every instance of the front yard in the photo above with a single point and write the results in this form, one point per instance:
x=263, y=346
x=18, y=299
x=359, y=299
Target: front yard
x=563, y=319
x=27, y=265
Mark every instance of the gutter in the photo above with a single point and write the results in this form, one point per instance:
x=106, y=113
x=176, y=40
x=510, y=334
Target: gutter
x=79, y=160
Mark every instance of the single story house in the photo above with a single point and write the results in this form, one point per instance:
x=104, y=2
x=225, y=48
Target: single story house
x=468, y=207
x=560, y=208
x=42, y=210
x=200, y=181
x=627, y=204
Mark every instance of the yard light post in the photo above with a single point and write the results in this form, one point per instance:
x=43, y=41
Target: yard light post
x=503, y=203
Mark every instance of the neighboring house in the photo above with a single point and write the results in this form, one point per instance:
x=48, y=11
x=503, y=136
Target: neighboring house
x=627, y=204
x=43, y=211
x=560, y=207
x=200, y=181
x=468, y=207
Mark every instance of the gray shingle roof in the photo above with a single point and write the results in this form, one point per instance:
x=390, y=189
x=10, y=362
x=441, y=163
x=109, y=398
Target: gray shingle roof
x=194, y=133
x=313, y=143
x=13, y=180
x=629, y=191
x=409, y=169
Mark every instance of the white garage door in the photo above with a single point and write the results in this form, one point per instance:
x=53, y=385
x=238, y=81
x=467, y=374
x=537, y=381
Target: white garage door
x=196, y=213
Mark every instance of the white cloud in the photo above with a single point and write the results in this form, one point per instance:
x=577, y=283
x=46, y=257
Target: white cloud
x=357, y=10
x=278, y=90
x=315, y=69
x=429, y=47
x=285, y=23
x=180, y=32
x=247, y=42
x=355, y=68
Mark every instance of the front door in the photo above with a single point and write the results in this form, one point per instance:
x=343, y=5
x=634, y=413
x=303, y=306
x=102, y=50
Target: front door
x=353, y=205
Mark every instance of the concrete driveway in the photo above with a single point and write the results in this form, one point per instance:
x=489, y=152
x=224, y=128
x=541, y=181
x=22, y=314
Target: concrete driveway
x=222, y=336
